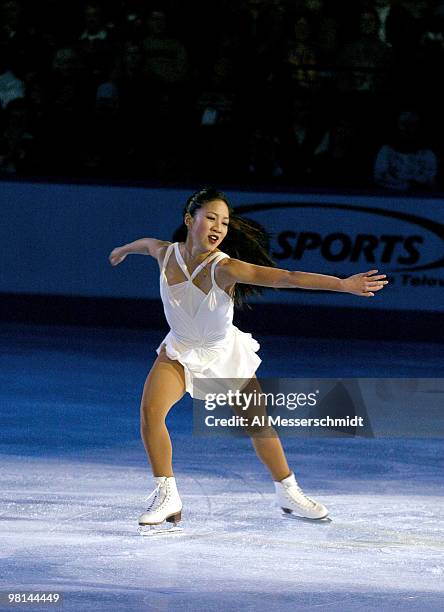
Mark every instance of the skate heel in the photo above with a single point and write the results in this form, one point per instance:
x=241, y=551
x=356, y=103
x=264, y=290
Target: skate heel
x=174, y=518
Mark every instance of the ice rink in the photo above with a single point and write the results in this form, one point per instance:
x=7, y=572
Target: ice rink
x=74, y=477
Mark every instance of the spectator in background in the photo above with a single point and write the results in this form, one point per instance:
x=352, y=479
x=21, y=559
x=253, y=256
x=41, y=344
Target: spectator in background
x=215, y=103
x=165, y=57
x=258, y=29
x=301, y=56
x=343, y=157
x=69, y=86
x=404, y=28
x=11, y=87
x=417, y=8
x=16, y=142
x=94, y=43
x=100, y=150
x=406, y=163
x=383, y=9
x=10, y=12
x=27, y=46
x=327, y=45
x=433, y=34
x=315, y=7
x=401, y=21
x=165, y=70
x=95, y=29
x=404, y=25
x=36, y=96
x=130, y=79
x=70, y=103
x=324, y=26
x=12, y=33
x=257, y=48
x=138, y=105
x=264, y=151
x=300, y=138
x=37, y=110
x=132, y=28
x=217, y=121
x=364, y=61
x=431, y=60
x=129, y=106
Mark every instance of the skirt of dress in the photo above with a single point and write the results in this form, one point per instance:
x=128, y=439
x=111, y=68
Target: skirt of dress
x=216, y=368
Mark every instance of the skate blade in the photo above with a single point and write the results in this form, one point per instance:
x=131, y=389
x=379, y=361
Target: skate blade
x=325, y=520
x=153, y=531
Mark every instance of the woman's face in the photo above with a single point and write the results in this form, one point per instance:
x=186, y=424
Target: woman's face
x=209, y=226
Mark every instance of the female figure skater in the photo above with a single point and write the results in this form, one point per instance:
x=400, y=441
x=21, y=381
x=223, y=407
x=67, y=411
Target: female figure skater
x=199, y=285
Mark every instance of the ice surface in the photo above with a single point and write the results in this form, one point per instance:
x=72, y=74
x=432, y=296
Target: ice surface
x=74, y=477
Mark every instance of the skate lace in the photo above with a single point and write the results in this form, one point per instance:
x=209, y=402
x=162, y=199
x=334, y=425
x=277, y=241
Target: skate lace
x=306, y=498
x=155, y=495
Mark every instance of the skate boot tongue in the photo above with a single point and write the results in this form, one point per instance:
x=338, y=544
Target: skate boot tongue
x=160, y=480
x=289, y=481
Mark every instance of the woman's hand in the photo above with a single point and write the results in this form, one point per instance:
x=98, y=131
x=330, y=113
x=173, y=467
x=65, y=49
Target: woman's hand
x=117, y=255
x=364, y=284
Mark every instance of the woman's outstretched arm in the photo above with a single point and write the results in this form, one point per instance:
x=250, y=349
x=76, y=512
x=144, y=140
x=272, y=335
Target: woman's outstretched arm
x=143, y=246
x=232, y=271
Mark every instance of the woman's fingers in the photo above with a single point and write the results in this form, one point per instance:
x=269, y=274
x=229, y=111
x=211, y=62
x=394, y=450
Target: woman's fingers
x=115, y=257
x=369, y=272
x=373, y=288
x=379, y=284
x=370, y=288
x=370, y=284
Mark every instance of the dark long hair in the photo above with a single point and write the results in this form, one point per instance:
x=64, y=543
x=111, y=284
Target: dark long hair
x=246, y=239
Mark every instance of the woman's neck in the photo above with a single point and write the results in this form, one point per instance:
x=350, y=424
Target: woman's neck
x=193, y=253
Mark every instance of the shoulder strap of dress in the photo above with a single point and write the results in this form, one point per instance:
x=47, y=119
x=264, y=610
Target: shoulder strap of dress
x=167, y=256
x=216, y=260
x=202, y=265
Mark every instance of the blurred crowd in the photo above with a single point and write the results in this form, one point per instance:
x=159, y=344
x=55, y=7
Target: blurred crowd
x=323, y=93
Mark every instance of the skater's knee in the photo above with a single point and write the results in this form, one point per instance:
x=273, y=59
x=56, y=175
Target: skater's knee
x=260, y=431
x=151, y=416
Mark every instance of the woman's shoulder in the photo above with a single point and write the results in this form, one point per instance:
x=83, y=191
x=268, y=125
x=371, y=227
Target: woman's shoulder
x=222, y=260
x=162, y=250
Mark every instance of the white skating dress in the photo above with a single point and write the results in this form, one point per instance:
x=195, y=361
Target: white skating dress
x=202, y=336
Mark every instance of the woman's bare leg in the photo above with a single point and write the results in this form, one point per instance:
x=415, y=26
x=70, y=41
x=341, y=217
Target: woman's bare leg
x=270, y=452
x=266, y=441
x=164, y=386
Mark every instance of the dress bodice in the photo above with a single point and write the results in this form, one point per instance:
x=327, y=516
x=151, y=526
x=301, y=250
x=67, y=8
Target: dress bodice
x=194, y=316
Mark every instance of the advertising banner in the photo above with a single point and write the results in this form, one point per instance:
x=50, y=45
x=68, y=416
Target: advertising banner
x=56, y=240
x=344, y=235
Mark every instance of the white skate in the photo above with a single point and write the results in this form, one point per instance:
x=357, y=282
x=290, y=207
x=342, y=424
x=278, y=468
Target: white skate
x=164, y=507
x=292, y=500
